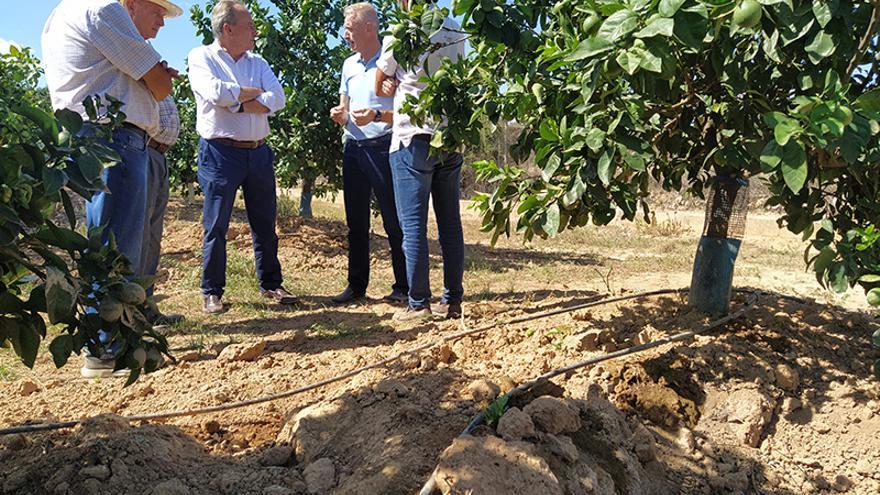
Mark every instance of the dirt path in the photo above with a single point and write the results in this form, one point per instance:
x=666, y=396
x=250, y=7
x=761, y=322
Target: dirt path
x=778, y=402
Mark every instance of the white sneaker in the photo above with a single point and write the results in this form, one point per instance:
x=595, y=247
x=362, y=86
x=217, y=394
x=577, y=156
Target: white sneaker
x=412, y=314
x=101, y=367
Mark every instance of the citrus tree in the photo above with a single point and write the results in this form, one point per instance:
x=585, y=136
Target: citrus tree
x=57, y=274
x=614, y=93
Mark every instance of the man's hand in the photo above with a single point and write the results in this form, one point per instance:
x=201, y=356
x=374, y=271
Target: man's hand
x=253, y=106
x=248, y=93
x=158, y=81
x=174, y=73
x=363, y=116
x=338, y=114
x=389, y=86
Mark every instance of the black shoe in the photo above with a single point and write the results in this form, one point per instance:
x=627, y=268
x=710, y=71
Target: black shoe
x=280, y=296
x=157, y=319
x=447, y=311
x=396, y=297
x=348, y=296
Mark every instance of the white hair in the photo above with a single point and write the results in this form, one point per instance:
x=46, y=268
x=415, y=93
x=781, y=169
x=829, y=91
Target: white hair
x=363, y=11
x=223, y=13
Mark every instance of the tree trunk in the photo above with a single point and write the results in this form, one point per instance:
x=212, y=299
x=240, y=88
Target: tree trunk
x=305, y=200
x=712, y=279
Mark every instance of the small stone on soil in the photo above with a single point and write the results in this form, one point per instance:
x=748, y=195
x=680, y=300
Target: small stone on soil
x=515, y=425
x=482, y=391
x=320, y=476
x=246, y=351
x=553, y=415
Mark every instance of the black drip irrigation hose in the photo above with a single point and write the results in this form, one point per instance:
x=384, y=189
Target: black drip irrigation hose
x=431, y=485
x=30, y=428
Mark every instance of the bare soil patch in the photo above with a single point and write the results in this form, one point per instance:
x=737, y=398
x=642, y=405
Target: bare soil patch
x=779, y=401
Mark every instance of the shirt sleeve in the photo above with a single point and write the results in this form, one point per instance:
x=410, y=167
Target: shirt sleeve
x=207, y=85
x=273, y=94
x=113, y=33
x=343, y=87
x=386, y=62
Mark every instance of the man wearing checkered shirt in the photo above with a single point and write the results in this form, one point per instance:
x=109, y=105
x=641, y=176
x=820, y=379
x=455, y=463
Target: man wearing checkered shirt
x=92, y=47
x=158, y=144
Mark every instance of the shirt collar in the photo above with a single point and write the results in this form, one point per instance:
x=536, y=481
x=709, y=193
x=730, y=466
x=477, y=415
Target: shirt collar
x=220, y=51
x=372, y=59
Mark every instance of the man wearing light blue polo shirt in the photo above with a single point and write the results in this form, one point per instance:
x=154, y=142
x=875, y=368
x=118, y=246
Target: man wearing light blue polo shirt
x=365, y=168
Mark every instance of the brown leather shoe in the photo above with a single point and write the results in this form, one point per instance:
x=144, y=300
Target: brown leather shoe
x=280, y=295
x=213, y=305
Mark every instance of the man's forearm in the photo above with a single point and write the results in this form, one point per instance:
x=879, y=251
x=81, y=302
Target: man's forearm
x=253, y=106
x=158, y=82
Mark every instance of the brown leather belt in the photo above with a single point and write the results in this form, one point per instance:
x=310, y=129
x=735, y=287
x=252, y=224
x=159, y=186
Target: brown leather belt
x=160, y=147
x=239, y=144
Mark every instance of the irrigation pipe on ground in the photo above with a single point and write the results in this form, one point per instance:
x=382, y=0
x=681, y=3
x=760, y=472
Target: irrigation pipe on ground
x=289, y=393
x=431, y=485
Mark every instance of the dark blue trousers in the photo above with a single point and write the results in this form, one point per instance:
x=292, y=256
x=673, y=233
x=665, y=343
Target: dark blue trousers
x=222, y=169
x=365, y=171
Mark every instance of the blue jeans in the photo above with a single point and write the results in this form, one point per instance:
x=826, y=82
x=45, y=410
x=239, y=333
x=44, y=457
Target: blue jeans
x=365, y=170
x=157, y=201
x=418, y=176
x=123, y=208
x=222, y=169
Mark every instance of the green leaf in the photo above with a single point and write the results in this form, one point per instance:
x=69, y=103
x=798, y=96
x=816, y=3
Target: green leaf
x=821, y=47
x=48, y=126
x=69, y=210
x=668, y=8
x=868, y=101
x=552, y=165
x=822, y=11
x=875, y=338
x=629, y=61
x=61, y=348
x=589, y=48
x=60, y=296
x=794, y=166
x=437, y=139
x=595, y=138
x=618, y=25
x=659, y=26
x=606, y=165
x=90, y=167
x=548, y=131
x=551, y=220
x=69, y=120
x=870, y=278
x=53, y=180
x=837, y=277
x=691, y=26
x=874, y=297
x=771, y=156
x=26, y=342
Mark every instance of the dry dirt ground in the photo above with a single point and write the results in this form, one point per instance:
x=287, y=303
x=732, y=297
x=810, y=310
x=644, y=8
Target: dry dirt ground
x=780, y=401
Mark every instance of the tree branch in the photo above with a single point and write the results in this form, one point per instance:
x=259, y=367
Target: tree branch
x=866, y=40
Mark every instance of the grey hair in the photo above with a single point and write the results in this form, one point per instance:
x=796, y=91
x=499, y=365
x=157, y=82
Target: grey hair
x=363, y=11
x=223, y=13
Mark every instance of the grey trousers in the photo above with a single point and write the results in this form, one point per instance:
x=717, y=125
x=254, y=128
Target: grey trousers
x=158, y=186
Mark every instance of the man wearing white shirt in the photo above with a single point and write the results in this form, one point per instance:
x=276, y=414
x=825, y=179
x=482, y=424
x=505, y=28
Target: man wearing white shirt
x=235, y=92
x=92, y=47
x=420, y=173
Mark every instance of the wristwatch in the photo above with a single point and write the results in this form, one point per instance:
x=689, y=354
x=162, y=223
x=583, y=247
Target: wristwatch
x=378, y=117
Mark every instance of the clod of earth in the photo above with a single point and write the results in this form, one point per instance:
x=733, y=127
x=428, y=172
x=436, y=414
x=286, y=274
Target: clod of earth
x=246, y=351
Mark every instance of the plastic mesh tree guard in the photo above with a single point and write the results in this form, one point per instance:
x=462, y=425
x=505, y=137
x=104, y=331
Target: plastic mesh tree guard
x=726, y=208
